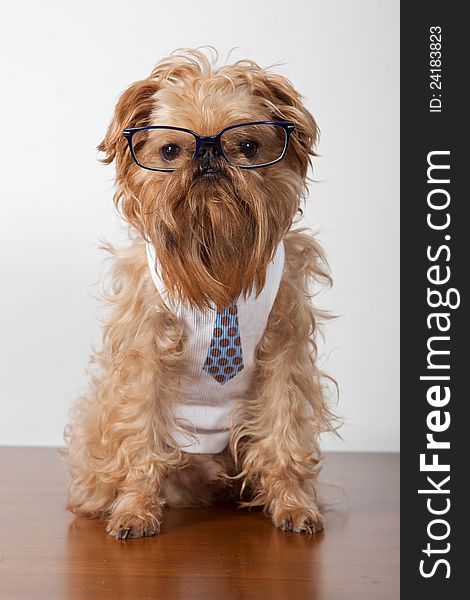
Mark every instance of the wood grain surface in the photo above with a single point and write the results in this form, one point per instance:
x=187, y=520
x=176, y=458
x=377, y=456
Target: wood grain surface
x=206, y=553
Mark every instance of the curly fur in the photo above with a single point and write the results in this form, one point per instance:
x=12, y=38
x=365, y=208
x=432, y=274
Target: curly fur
x=124, y=464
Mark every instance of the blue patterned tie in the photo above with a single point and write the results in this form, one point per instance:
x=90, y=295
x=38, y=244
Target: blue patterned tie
x=224, y=357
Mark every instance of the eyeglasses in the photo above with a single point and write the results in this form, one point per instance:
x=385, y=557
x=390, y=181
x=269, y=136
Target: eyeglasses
x=247, y=145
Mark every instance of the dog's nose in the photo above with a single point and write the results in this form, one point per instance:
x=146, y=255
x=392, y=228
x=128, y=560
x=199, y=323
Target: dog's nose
x=208, y=157
x=208, y=152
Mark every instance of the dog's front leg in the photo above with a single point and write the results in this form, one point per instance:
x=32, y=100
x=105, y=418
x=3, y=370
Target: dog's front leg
x=276, y=443
x=141, y=420
x=280, y=459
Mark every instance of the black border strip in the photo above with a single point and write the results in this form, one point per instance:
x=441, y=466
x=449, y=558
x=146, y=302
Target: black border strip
x=422, y=247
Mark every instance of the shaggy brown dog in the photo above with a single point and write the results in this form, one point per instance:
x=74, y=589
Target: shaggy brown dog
x=214, y=226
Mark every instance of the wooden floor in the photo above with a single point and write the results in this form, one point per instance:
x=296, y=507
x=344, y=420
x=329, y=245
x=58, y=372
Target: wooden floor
x=207, y=554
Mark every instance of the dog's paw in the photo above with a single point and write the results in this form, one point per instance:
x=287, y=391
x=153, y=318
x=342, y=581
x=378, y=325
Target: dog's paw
x=126, y=526
x=300, y=520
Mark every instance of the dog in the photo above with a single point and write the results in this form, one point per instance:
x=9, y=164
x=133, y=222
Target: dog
x=206, y=388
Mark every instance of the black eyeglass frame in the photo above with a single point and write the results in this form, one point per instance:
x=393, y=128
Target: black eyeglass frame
x=288, y=127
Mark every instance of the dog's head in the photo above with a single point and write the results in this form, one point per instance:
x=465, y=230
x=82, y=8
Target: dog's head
x=214, y=217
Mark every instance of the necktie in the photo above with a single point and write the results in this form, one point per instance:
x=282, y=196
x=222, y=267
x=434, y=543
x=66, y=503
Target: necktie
x=224, y=357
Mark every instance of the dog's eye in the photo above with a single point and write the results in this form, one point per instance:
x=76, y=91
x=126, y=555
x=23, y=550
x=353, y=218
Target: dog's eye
x=249, y=148
x=170, y=151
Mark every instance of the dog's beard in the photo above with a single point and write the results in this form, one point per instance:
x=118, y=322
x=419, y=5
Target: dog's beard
x=214, y=238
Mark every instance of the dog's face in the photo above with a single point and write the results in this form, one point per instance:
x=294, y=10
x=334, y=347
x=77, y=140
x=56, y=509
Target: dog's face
x=214, y=225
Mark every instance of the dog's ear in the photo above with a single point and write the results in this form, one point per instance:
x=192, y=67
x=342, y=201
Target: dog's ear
x=132, y=110
x=286, y=104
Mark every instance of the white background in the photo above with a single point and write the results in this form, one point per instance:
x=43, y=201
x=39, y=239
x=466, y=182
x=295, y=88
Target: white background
x=63, y=66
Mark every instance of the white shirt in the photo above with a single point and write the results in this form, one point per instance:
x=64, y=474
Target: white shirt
x=204, y=406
